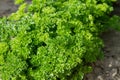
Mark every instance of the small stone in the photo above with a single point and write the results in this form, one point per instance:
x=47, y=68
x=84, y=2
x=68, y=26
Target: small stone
x=114, y=72
x=100, y=78
x=110, y=64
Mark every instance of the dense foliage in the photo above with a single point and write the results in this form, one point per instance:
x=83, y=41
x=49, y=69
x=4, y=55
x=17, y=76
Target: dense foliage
x=52, y=39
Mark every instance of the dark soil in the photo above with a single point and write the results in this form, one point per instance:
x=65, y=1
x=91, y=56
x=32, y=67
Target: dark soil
x=7, y=7
x=109, y=67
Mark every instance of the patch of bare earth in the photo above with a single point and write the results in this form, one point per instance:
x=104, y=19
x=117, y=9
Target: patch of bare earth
x=109, y=67
x=7, y=7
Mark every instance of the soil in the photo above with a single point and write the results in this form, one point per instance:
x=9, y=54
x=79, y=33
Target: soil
x=109, y=67
x=7, y=7
x=106, y=69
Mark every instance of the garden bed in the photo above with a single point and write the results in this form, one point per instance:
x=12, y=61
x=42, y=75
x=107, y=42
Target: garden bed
x=106, y=69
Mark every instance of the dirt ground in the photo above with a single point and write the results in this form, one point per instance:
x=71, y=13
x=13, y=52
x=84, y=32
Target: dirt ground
x=106, y=69
x=7, y=7
x=109, y=67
